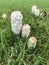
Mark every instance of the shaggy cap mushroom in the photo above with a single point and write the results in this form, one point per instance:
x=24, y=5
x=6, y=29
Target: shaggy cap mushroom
x=34, y=7
x=37, y=12
x=32, y=42
x=25, y=30
x=16, y=22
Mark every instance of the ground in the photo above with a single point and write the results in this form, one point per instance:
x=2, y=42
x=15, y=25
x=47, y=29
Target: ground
x=13, y=49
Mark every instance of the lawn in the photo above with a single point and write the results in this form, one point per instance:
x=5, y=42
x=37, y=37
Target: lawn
x=13, y=49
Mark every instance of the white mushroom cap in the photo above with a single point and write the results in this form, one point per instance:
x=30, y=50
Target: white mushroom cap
x=34, y=7
x=25, y=30
x=32, y=42
x=26, y=26
x=16, y=22
x=37, y=12
x=16, y=14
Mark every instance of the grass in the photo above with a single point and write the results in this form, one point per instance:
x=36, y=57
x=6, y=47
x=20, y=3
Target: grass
x=13, y=50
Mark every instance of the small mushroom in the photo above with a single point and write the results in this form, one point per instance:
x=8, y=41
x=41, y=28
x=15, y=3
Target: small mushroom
x=25, y=30
x=32, y=42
